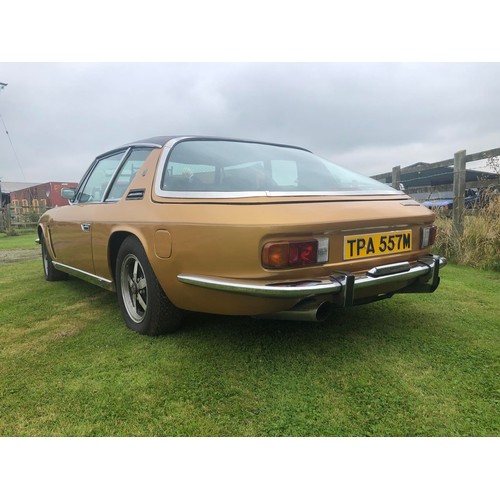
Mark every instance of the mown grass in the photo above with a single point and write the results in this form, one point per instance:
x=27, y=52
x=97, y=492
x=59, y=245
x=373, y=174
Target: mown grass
x=417, y=365
x=22, y=240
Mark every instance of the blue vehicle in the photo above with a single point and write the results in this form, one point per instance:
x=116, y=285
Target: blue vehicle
x=444, y=199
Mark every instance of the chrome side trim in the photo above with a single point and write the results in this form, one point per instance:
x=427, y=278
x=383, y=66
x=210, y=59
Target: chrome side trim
x=84, y=275
x=316, y=286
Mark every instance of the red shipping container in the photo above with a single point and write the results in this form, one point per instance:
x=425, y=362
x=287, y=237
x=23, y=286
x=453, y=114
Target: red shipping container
x=48, y=193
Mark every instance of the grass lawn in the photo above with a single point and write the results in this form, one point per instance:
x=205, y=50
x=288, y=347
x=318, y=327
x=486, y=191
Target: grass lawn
x=414, y=365
x=25, y=240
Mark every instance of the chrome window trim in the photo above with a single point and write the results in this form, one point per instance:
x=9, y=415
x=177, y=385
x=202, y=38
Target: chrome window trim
x=264, y=194
x=115, y=175
x=111, y=182
x=242, y=194
x=90, y=171
x=162, y=165
x=127, y=151
x=144, y=145
x=127, y=146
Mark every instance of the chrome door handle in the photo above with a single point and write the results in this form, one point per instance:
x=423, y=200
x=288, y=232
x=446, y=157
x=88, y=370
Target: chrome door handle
x=86, y=228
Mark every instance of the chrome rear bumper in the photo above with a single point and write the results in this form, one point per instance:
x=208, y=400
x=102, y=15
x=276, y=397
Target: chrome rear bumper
x=419, y=277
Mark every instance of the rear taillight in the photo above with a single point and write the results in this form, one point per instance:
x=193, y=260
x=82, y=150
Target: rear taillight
x=282, y=254
x=428, y=236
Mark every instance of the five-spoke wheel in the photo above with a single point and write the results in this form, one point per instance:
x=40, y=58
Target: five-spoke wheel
x=144, y=305
x=134, y=288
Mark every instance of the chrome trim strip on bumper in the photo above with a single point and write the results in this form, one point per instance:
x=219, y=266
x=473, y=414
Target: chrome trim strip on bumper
x=426, y=267
x=84, y=275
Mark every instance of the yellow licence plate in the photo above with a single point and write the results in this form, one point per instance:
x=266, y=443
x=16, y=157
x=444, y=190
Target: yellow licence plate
x=370, y=245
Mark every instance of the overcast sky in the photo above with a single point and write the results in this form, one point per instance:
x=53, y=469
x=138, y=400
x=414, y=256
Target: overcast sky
x=366, y=116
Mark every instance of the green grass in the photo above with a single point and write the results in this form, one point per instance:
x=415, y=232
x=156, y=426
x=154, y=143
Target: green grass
x=415, y=365
x=24, y=240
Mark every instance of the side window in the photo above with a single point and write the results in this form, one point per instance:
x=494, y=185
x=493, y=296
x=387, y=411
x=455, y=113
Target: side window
x=96, y=184
x=127, y=173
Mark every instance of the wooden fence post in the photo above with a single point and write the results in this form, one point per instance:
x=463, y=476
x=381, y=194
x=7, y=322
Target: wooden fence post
x=459, y=192
x=396, y=177
x=8, y=226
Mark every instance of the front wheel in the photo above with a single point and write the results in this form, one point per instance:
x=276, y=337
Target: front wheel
x=144, y=305
x=49, y=271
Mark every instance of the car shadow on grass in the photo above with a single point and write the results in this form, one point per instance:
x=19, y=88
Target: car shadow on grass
x=397, y=318
x=372, y=322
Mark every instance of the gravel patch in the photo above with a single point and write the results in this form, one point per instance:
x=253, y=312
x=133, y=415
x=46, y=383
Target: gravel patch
x=20, y=254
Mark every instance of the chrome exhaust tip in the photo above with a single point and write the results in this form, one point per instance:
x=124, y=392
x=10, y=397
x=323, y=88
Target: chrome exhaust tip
x=307, y=310
x=323, y=311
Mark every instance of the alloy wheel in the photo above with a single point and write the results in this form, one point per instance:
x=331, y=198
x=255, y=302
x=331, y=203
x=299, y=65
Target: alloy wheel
x=134, y=288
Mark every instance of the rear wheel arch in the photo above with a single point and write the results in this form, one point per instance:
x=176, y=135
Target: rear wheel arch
x=114, y=244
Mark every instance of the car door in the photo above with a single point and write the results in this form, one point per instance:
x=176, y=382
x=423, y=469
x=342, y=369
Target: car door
x=71, y=232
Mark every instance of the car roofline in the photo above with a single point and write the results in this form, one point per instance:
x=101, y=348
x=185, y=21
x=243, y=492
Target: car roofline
x=160, y=141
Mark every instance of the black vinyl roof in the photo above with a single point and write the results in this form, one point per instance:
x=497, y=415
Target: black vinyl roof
x=161, y=140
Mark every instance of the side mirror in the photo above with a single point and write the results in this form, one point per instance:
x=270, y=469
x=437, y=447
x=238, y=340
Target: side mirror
x=68, y=194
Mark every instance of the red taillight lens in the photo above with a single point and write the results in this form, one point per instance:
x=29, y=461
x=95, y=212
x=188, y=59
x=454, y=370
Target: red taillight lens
x=290, y=254
x=428, y=236
x=302, y=254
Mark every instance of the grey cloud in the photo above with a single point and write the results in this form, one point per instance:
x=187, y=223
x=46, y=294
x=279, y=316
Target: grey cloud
x=367, y=116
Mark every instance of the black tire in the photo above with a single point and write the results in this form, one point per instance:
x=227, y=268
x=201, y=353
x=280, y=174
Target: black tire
x=143, y=303
x=50, y=272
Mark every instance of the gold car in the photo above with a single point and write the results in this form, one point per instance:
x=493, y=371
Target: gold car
x=236, y=227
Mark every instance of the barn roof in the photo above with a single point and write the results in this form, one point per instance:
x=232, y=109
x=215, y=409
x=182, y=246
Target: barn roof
x=412, y=177
x=9, y=187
